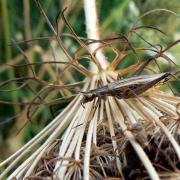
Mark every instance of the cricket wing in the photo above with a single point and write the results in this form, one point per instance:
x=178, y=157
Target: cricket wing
x=133, y=80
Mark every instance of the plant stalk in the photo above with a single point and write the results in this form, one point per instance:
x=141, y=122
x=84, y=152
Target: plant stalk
x=92, y=30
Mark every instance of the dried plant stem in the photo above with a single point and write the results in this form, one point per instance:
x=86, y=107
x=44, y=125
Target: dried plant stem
x=114, y=143
x=88, y=146
x=163, y=106
x=92, y=29
x=111, y=128
x=166, y=97
x=73, y=138
x=27, y=22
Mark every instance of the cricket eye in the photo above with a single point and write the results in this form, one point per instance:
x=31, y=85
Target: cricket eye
x=85, y=99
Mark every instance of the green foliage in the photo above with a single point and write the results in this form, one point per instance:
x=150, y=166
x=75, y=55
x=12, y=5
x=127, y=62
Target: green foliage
x=161, y=19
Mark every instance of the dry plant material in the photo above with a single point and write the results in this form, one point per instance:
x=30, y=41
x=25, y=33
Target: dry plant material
x=131, y=133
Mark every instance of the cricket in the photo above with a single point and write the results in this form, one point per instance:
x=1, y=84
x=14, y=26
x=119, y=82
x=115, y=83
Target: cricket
x=128, y=87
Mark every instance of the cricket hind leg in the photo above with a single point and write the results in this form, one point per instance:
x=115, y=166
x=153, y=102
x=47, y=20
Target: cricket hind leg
x=139, y=89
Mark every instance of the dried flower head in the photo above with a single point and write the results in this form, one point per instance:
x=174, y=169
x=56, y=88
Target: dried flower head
x=109, y=137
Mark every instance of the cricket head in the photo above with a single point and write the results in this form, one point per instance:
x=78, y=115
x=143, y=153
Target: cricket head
x=87, y=96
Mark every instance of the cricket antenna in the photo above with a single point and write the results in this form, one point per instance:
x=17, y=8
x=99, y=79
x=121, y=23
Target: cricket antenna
x=174, y=73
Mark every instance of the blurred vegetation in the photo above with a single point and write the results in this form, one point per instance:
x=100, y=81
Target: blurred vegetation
x=21, y=20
